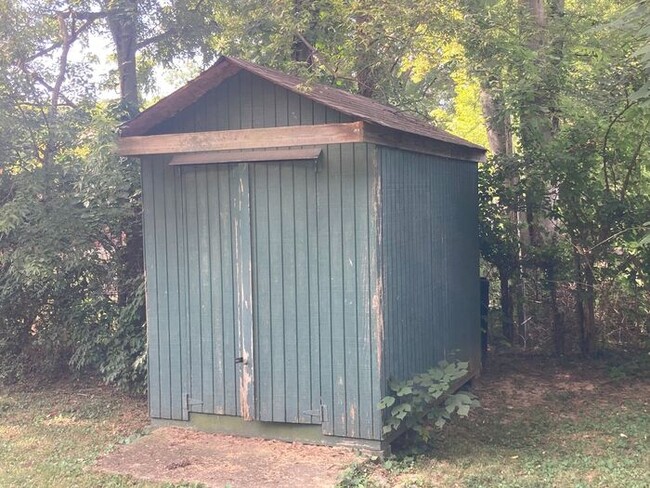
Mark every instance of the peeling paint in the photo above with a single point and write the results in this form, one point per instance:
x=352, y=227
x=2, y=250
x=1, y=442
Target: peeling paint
x=352, y=424
x=377, y=309
x=378, y=295
x=245, y=381
x=244, y=297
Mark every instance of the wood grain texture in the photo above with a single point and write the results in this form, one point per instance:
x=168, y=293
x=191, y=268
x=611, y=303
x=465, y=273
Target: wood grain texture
x=236, y=139
x=430, y=261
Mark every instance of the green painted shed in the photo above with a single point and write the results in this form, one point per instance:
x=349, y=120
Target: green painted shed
x=303, y=246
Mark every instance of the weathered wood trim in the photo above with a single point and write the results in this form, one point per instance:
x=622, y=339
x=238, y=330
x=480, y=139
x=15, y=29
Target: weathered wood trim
x=215, y=157
x=180, y=99
x=244, y=280
x=411, y=142
x=193, y=142
x=219, y=146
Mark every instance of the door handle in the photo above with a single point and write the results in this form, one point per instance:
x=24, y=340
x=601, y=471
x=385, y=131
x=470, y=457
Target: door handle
x=239, y=360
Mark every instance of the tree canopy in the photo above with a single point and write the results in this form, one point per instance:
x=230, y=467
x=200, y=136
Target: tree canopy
x=558, y=90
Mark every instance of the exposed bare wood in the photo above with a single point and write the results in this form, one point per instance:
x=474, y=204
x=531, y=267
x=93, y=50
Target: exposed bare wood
x=246, y=156
x=306, y=135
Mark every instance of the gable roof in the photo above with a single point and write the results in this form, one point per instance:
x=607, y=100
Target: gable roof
x=355, y=106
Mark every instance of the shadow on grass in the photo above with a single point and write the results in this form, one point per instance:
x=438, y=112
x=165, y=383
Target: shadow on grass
x=544, y=422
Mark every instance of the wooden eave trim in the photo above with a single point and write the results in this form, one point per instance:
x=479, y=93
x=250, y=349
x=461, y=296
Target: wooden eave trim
x=229, y=140
x=182, y=98
x=412, y=142
x=292, y=136
x=263, y=155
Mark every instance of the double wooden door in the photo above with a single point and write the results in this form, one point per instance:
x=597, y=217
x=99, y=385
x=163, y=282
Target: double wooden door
x=251, y=296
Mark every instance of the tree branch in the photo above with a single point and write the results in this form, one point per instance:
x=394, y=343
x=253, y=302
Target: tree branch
x=319, y=58
x=39, y=79
x=606, y=140
x=67, y=40
x=157, y=38
x=633, y=161
x=67, y=37
x=90, y=20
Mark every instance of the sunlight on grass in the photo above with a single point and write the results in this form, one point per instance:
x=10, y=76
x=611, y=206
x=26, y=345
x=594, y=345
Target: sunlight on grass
x=52, y=437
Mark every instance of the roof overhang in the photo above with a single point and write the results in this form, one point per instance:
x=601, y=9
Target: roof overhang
x=389, y=119
x=290, y=136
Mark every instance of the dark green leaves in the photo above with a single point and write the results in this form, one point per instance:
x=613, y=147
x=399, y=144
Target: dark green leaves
x=416, y=402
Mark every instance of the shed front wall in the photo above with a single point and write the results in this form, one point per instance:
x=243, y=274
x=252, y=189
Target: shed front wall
x=313, y=244
x=430, y=261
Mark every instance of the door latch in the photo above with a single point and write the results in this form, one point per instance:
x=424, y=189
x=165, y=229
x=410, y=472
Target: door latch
x=239, y=360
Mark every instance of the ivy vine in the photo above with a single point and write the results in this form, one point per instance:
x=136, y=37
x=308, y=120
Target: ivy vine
x=424, y=401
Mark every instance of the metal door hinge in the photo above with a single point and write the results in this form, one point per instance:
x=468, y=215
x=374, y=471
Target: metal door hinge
x=321, y=413
x=191, y=401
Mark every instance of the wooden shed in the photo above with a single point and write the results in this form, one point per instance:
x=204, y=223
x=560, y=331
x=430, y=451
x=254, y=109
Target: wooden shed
x=303, y=245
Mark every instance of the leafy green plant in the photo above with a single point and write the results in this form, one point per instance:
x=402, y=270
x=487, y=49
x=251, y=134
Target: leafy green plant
x=356, y=476
x=423, y=401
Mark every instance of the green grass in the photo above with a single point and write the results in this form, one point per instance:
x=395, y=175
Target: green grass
x=542, y=424
x=596, y=435
x=51, y=437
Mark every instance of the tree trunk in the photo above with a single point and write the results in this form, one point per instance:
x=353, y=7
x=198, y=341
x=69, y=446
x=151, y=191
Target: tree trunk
x=579, y=294
x=559, y=332
x=499, y=130
x=506, y=307
x=122, y=22
x=124, y=30
x=589, y=339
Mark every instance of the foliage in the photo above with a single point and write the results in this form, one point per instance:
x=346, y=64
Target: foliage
x=66, y=209
x=635, y=21
x=563, y=203
x=424, y=400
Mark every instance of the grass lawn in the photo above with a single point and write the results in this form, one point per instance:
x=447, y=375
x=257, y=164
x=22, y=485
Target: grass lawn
x=543, y=423
x=51, y=436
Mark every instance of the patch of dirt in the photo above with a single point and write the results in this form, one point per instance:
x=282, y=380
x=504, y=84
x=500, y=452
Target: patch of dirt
x=521, y=382
x=178, y=455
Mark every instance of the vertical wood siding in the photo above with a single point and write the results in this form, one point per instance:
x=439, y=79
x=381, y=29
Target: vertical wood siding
x=429, y=261
x=167, y=310
x=313, y=242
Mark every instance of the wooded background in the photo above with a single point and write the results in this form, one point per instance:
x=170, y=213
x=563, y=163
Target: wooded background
x=558, y=90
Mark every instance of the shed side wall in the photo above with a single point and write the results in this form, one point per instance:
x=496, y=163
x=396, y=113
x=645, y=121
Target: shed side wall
x=430, y=261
